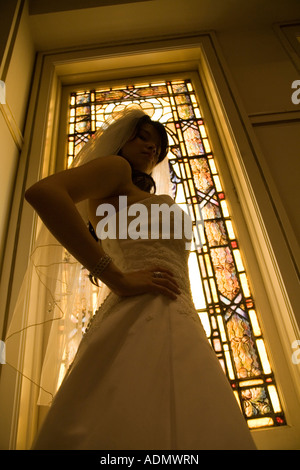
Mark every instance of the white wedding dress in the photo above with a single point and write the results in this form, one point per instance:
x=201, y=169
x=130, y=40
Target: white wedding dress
x=145, y=376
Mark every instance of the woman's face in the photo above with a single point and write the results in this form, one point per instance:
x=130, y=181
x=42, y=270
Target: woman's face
x=144, y=149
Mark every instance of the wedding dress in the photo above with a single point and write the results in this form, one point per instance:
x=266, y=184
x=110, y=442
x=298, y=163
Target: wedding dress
x=145, y=376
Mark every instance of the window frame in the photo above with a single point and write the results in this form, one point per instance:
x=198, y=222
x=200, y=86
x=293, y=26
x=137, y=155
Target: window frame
x=231, y=136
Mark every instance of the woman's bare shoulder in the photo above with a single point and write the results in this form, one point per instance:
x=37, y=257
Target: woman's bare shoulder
x=99, y=178
x=109, y=162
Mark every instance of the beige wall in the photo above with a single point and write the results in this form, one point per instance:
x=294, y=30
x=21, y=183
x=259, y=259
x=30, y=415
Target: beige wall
x=17, y=61
x=256, y=62
x=16, y=69
x=263, y=74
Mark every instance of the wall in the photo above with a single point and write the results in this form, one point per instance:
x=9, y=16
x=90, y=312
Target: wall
x=263, y=73
x=17, y=63
x=16, y=67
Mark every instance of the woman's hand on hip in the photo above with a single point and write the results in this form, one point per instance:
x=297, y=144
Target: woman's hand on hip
x=156, y=280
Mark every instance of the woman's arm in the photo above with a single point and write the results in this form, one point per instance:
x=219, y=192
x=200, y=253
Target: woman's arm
x=54, y=200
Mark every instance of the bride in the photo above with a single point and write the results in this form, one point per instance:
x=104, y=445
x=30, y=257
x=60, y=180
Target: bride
x=144, y=376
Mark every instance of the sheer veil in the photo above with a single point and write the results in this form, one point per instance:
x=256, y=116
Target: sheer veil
x=57, y=300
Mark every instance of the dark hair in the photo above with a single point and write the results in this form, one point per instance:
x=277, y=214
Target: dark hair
x=160, y=128
x=140, y=179
x=143, y=181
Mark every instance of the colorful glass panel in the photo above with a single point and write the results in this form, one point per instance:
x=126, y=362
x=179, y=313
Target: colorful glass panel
x=219, y=283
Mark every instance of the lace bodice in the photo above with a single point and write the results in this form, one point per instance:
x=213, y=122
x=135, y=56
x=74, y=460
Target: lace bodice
x=165, y=244
x=163, y=232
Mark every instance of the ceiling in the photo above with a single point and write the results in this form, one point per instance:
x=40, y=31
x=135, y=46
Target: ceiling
x=36, y=7
x=55, y=25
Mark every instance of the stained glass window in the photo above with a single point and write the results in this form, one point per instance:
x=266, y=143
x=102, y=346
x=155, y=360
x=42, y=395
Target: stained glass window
x=220, y=285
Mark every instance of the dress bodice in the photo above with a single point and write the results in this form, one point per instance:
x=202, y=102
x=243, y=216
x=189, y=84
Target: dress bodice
x=157, y=233
x=155, y=246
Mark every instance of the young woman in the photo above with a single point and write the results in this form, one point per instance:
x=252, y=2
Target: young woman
x=144, y=376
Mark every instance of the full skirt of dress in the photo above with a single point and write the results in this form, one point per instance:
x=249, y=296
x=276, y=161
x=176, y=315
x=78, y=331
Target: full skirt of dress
x=145, y=378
